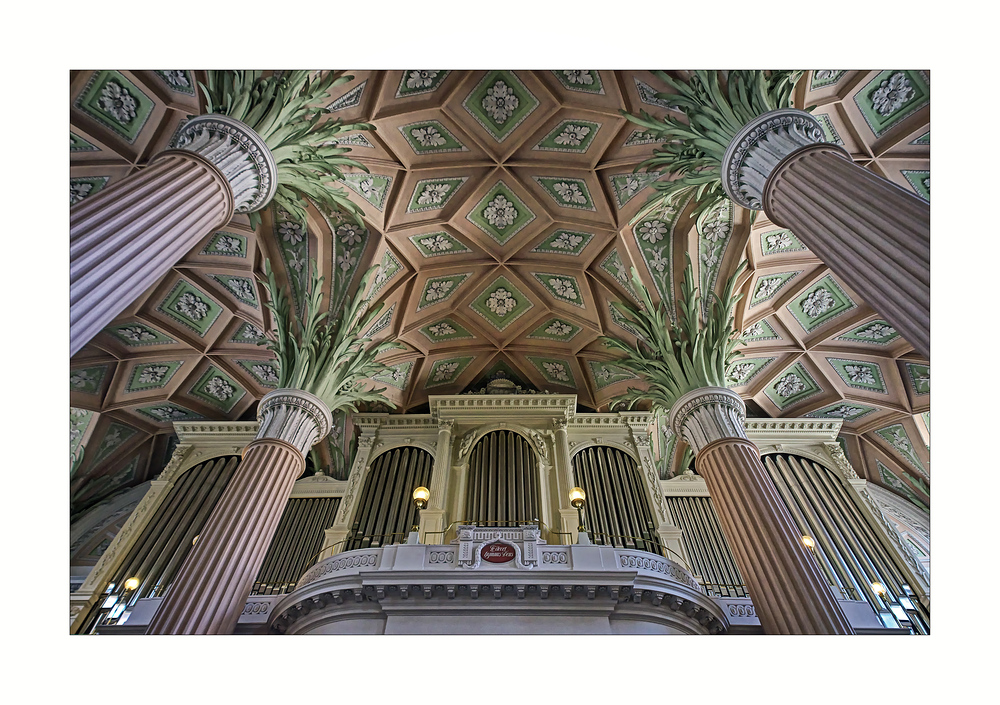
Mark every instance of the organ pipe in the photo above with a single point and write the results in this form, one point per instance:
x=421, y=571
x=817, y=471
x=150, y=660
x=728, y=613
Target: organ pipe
x=617, y=511
x=502, y=484
x=385, y=511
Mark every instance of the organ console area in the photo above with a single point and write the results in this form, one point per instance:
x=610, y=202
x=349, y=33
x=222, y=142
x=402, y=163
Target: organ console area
x=495, y=543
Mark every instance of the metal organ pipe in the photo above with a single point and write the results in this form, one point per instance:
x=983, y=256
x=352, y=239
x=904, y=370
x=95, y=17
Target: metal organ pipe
x=385, y=510
x=617, y=509
x=503, y=483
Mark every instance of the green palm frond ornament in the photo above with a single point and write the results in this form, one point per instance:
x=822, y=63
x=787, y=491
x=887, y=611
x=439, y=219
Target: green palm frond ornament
x=326, y=356
x=676, y=358
x=694, y=149
x=282, y=109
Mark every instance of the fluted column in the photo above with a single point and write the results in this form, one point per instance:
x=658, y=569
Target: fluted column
x=872, y=233
x=212, y=586
x=788, y=590
x=126, y=237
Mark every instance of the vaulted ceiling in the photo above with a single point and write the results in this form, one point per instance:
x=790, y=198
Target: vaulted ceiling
x=497, y=204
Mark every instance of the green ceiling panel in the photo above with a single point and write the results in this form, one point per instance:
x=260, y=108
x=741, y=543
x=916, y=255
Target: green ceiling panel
x=745, y=369
x=431, y=137
x=792, y=386
x=78, y=144
x=419, y=82
x=228, y=244
x=380, y=323
x=218, y=389
x=135, y=334
x=115, y=102
x=628, y=184
x=897, y=437
x=241, y=287
x=761, y=330
x=87, y=379
x=152, y=375
x=846, y=410
x=177, y=80
x=165, y=412
x=564, y=242
x=350, y=99
x=654, y=235
x=447, y=371
x=891, y=97
x=920, y=378
x=641, y=137
x=84, y=186
x=872, y=333
x=264, y=371
x=191, y=307
x=554, y=371
x=829, y=131
x=500, y=102
x=889, y=479
x=824, y=77
x=581, y=81
x=561, y=287
x=434, y=194
x=444, y=330
x=388, y=268
x=820, y=303
x=569, y=136
x=714, y=228
x=113, y=439
x=439, y=289
x=613, y=265
x=500, y=214
x=860, y=375
x=768, y=286
x=776, y=241
x=248, y=333
x=920, y=181
x=396, y=375
x=567, y=193
x=437, y=244
x=605, y=374
x=371, y=187
x=501, y=303
x=555, y=329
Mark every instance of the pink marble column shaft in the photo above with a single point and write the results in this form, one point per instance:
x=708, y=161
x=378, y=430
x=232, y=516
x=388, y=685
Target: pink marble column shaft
x=870, y=232
x=210, y=590
x=123, y=239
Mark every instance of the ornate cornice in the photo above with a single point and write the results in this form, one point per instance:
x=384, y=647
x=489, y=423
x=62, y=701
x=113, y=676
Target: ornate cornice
x=296, y=417
x=709, y=414
x=759, y=147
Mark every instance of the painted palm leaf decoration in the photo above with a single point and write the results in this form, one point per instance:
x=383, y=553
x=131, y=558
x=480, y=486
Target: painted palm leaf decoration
x=695, y=148
x=282, y=109
x=326, y=356
x=676, y=358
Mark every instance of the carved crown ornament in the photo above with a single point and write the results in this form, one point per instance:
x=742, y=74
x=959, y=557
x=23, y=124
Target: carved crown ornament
x=238, y=152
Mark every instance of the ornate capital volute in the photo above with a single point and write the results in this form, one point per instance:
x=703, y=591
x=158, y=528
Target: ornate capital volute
x=293, y=416
x=759, y=147
x=235, y=150
x=708, y=414
x=560, y=424
x=446, y=425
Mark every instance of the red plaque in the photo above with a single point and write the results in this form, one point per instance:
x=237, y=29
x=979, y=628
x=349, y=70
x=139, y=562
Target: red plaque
x=498, y=552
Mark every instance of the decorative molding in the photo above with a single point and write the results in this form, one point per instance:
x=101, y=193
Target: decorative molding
x=293, y=416
x=708, y=414
x=238, y=152
x=760, y=146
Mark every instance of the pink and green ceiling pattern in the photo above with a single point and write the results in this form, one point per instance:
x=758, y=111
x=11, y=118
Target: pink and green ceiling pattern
x=497, y=212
